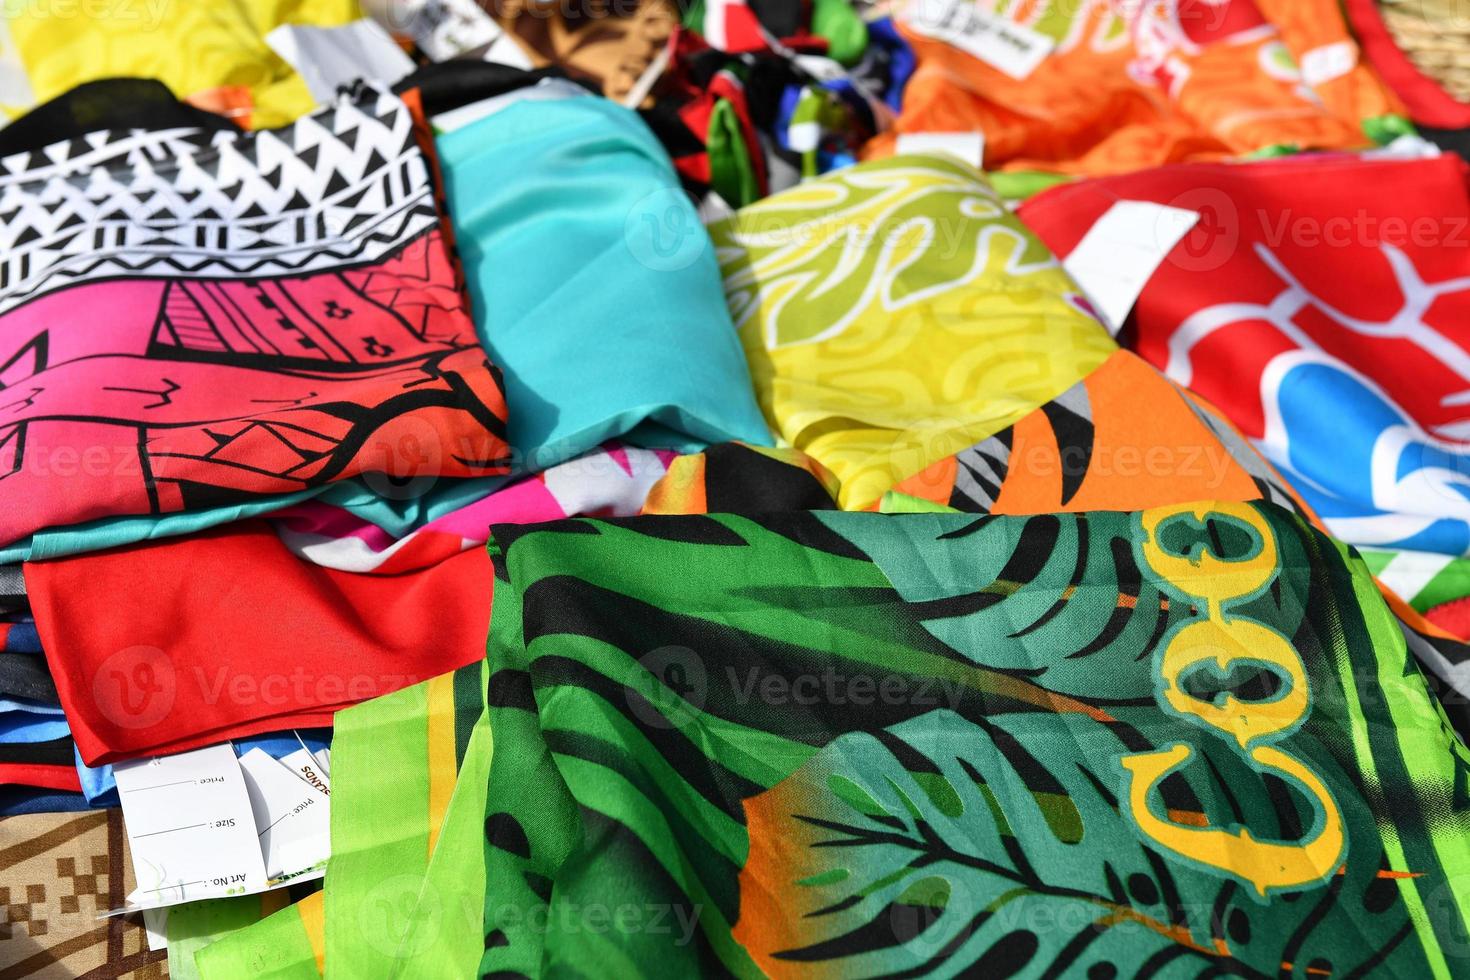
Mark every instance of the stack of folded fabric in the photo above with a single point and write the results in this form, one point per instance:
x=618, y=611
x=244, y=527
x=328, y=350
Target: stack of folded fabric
x=734, y=488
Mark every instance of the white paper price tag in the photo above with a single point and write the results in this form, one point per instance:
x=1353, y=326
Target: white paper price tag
x=969, y=147
x=330, y=57
x=1322, y=65
x=291, y=816
x=190, y=827
x=1000, y=43
x=309, y=768
x=1122, y=251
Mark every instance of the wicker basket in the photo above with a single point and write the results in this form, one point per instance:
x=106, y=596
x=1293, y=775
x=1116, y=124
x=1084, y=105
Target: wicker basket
x=1435, y=34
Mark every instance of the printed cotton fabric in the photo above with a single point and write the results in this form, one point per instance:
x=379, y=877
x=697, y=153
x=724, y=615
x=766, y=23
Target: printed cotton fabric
x=896, y=313
x=610, y=482
x=1327, y=319
x=192, y=319
x=214, y=54
x=62, y=871
x=1436, y=585
x=1204, y=748
x=1125, y=437
x=1134, y=84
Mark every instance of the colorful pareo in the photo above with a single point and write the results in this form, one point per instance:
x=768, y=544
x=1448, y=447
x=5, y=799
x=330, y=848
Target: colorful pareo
x=190, y=319
x=833, y=744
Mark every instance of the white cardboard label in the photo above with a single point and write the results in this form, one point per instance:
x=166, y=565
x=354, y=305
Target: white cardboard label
x=330, y=57
x=1000, y=43
x=290, y=816
x=1122, y=251
x=309, y=768
x=1321, y=65
x=190, y=827
x=155, y=922
x=443, y=29
x=969, y=147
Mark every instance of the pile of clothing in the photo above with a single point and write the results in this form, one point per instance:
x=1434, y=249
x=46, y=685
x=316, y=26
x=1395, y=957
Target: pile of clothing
x=518, y=488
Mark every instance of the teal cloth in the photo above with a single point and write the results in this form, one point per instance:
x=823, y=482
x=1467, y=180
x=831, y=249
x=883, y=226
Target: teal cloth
x=593, y=284
x=419, y=505
x=594, y=288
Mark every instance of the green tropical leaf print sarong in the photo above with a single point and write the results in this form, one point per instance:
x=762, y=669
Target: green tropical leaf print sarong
x=1182, y=742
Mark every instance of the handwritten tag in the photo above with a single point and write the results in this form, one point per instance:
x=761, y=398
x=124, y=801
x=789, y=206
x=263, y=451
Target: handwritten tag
x=1000, y=43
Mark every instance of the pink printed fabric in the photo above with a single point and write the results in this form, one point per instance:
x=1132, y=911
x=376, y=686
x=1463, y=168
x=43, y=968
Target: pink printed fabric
x=191, y=319
x=611, y=482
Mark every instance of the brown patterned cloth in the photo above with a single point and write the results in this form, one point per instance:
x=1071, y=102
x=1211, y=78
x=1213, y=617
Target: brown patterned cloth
x=58, y=872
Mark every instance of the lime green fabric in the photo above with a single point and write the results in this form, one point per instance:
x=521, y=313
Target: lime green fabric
x=380, y=829
x=275, y=948
x=445, y=936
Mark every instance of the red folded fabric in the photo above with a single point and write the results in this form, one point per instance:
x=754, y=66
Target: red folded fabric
x=41, y=776
x=174, y=645
x=1322, y=303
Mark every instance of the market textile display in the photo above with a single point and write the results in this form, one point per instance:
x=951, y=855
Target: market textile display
x=734, y=488
x=976, y=758
x=278, y=310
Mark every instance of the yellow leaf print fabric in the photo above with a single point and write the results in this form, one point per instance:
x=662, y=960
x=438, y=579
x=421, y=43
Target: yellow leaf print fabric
x=192, y=46
x=895, y=313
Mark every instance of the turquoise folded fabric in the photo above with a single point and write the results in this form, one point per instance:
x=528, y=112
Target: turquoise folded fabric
x=593, y=284
x=397, y=507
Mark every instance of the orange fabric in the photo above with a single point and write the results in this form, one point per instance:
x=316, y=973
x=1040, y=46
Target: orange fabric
x=1178, y=80
x=234, y=102
x=1149, y=449
x=1312, y=25
x=681, y=490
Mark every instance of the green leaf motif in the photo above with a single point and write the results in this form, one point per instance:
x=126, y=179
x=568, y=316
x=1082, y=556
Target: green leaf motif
x=941, y=846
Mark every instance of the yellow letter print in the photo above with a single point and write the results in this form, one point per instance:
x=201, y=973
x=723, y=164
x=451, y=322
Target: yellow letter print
x=1220, y=553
